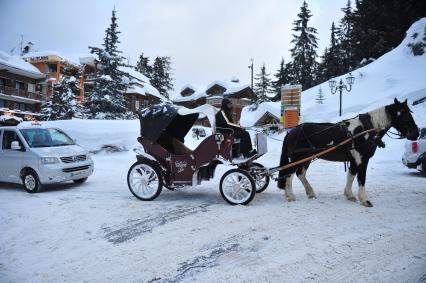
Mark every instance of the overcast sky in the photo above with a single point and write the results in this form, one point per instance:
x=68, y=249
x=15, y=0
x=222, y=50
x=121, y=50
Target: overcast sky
x=206, y=39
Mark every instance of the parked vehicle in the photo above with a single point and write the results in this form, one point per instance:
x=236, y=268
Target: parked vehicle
x=414, y=156
x=35, y=155
x=166, y=161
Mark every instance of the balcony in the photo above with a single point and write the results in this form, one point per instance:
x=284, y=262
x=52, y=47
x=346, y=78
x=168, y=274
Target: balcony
x=17, y=92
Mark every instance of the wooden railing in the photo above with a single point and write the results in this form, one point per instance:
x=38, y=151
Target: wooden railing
x=19, y=92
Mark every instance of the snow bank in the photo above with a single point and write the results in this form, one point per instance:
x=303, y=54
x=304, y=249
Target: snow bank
x=398, y=74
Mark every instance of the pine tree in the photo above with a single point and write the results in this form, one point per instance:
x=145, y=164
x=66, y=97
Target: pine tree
x=107, y=100
x=143, y=66
x=282, y=77
x=262, y=86
x=320, y=97
x=304, y=51
x=63, y=103
x=345, y=38
x=161, y=75
x=331, y=64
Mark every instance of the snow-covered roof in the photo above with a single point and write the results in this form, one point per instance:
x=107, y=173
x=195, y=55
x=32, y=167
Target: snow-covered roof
x=16, y=65
x=48, y=53
x=144, y=90
x=192, y=97
x=230, y=87
x=134, y=74
x=187, y=86
x=249, y=117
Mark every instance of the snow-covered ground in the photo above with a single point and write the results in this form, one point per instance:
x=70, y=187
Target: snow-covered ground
x=99, y=232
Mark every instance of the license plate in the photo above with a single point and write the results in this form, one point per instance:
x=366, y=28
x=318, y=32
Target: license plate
x=77, y=173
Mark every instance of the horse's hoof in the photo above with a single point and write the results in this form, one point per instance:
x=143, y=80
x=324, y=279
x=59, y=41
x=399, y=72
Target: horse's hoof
x=290, y=199
x=367, y=203
x=312, y=196
x=353, y=199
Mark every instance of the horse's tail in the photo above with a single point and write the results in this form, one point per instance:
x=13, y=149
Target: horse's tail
x=284, y=160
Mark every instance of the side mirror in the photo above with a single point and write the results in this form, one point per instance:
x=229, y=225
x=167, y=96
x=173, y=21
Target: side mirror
x=15, y=145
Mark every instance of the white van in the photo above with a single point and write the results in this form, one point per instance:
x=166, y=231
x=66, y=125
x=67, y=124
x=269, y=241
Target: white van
x=35, y=155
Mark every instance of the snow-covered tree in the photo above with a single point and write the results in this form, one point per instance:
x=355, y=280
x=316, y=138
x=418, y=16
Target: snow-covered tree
x=143, y=66
x=262, y=86
x=63, y=104
x=320, y=97
x=304, y=51
x=161, y=76
x=107, y=100
x=282, y=77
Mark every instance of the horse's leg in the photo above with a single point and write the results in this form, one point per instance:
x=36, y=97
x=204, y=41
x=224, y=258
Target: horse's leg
x=349, y=180
x=301, y=174
x=289, y=188
x=362, y=172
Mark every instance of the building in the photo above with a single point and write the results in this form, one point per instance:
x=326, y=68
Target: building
x=139, y=94
x=52, y=64
x=20, y=87
x=239, y=94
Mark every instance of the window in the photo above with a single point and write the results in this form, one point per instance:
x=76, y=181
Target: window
x=19, y=85
x=52, y=68
x=40, y=137
x=8, y=138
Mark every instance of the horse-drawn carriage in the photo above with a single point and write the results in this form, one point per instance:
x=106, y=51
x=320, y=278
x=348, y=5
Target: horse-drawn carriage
x=167, y=161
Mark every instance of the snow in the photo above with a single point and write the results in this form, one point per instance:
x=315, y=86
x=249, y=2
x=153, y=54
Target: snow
x=49, y=53
x=99, y=232
x=249, y=117
x=196, y=95
x=397, y=74
x=133, y=73
x=144, y=90
x=230, y=86
x=16, y=65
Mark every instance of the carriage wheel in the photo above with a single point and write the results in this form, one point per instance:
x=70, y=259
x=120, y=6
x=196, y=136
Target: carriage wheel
x=144, y=180
x=237, y=187
x=261, y=180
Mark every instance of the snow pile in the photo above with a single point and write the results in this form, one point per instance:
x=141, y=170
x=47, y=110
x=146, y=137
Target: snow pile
x=13, y=62
x=249, y=117
x=398, y=73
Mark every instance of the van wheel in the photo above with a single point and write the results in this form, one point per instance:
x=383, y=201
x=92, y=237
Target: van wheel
x=31, y=182
x=80, y=181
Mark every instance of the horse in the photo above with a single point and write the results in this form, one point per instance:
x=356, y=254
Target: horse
x=309, y=138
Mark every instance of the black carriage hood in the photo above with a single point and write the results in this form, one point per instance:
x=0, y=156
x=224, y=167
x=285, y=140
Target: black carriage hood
x=165, y=118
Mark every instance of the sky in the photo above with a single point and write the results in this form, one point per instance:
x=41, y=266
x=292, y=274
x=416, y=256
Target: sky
x=207, y=40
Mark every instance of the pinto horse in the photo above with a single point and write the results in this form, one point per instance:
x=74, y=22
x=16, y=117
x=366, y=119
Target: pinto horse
x=310, y=138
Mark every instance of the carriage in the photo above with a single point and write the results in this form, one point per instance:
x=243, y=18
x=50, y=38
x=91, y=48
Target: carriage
x=166, y=161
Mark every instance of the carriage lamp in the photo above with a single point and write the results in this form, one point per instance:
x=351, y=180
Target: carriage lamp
x=334, y=86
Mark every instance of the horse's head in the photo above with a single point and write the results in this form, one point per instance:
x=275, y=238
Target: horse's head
x=402, y=120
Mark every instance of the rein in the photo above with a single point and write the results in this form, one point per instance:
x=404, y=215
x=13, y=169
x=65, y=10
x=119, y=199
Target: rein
x=273, y=170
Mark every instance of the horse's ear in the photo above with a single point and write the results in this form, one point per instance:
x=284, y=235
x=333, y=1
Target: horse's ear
x=396, y=101
x=405, y=102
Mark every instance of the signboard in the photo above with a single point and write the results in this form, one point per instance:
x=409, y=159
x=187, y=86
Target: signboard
x=290, y=105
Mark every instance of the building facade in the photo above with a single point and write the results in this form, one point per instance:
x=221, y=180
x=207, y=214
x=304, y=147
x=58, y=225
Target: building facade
x=20, y=87
x=213, y=94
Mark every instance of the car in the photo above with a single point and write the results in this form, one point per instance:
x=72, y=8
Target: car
x=414, y=156
x=34, y=155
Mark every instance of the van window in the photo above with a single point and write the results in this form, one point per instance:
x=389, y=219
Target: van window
x=8, y=138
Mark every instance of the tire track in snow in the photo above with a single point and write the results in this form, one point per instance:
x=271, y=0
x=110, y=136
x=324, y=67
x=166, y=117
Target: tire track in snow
x=198, y=264
x=136, y=227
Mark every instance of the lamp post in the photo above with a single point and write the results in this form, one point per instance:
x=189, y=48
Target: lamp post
x=251, y=68
x=334, y=86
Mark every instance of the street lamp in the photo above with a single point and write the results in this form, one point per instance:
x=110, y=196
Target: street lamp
x=334, y=86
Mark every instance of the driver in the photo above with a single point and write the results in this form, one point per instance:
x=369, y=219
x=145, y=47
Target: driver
x=224, y=121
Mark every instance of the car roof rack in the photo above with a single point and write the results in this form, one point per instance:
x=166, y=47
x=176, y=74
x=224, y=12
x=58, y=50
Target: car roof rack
x=8, y=120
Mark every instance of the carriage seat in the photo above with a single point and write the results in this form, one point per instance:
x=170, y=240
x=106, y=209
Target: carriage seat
x=179, y=147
